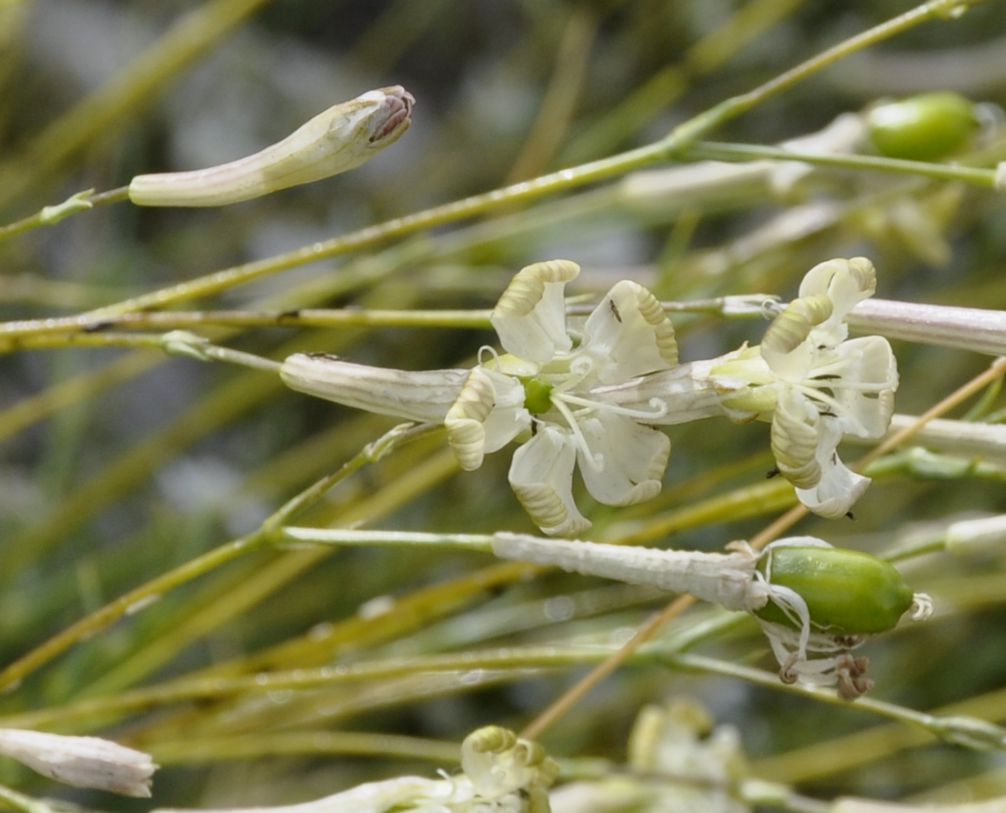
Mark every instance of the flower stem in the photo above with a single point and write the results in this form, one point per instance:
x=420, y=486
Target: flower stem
x=716, y=151
x=671, y=146
x=142, y=596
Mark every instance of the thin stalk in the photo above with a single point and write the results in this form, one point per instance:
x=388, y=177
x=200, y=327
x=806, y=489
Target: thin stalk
x=191, y=36
x=717, y=151
x=204, y=750
x=300, y=317
x=672, y=145
x=51, y=215
x=959, y=729
x=142, y=596
x=18, y=801
x=176, y=343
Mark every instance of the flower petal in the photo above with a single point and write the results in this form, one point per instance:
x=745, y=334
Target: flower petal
x=787, y=347
x=628, y=334
x=632, y=459
x=838, y=487
x=541, y=475
x=796, y=428
x=487, y=415
x=846, y=283
x=866, y=390
x=530, y=316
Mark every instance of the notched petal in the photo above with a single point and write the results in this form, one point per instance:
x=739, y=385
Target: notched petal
x=465, y=421
x=845, y=283
x=866, y=391
x=487, y=415
x=629, y=334
x=786, y=346
x=837, y=491
x=541, y=475
x=633, y=459
x=530, y=317
x=795, y=437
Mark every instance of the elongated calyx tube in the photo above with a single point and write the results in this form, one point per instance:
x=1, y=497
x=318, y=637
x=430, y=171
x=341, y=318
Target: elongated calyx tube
x=84, y=762
x=339, y=139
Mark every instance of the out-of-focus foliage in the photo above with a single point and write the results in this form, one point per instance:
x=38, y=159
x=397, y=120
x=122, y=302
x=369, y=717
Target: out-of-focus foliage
x=120, y=465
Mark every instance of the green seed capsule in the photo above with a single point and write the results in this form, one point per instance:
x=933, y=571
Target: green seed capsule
x=847, y=592
x=924, y=127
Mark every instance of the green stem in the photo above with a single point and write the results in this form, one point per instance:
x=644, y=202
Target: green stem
x=716, y=151
x=204, y=750
x=678, y=141
x=962, y=730
x=482, y=543
x=51, y=215
x=142, y=596
x=179, y=343
x=18, y=801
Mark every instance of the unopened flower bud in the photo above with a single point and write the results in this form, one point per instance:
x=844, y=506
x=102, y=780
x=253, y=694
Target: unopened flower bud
x=337, y=140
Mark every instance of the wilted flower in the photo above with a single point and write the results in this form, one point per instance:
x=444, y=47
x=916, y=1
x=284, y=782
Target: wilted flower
x=84, y=762
x=816, y=385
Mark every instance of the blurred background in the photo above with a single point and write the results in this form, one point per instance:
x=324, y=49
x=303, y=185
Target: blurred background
x=119, y=465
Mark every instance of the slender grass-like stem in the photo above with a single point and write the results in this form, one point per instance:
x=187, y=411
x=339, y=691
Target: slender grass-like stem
x=669, y=147
x=147, y=593
x=717, y=151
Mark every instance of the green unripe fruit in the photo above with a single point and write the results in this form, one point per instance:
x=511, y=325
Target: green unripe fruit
x=924, y=127
x=847, y=592
x=537, y=396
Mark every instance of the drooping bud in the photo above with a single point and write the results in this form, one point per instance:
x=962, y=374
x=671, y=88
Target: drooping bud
x=339, y=139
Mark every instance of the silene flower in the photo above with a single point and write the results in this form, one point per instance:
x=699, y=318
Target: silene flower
x=816, y=385
x=501, y=773
x=539, y=392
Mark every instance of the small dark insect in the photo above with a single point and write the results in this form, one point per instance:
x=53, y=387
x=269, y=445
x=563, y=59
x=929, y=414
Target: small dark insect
x=614, y=311
x=772, y=472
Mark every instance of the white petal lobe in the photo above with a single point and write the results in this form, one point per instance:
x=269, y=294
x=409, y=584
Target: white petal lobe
x=530, y=317
x=541, y=475
x=634, y=459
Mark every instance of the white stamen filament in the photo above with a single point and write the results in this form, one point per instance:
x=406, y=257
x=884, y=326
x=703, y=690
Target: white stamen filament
x=595, y=461
x=659, y=407
x=488, y=349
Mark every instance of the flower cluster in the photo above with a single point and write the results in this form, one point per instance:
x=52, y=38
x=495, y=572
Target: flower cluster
x=591, y=399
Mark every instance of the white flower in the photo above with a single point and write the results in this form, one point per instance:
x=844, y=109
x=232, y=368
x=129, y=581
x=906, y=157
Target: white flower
x=541, y=391
x=84, y=762
x=817, y=385
x=501, y=773
x=543, y=385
